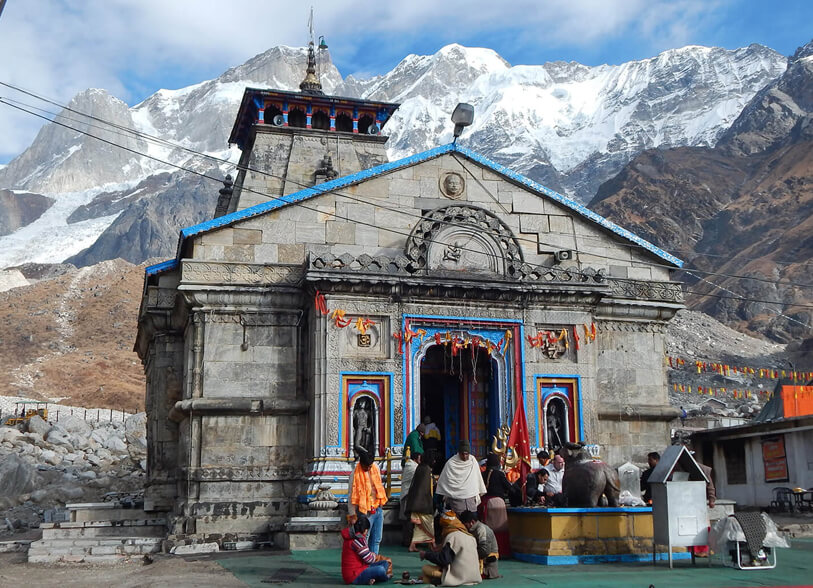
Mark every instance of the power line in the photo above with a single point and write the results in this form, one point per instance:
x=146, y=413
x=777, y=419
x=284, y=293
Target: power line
x=737, y=297
x=164, y=142
x=395, y=231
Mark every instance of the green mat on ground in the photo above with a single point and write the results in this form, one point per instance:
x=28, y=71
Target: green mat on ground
x=321, y=568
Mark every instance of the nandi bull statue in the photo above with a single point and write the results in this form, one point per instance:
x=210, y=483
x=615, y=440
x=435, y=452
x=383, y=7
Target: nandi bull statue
x=586, y=478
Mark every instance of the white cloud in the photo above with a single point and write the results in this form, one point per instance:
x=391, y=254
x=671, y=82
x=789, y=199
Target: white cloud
x=59, y=47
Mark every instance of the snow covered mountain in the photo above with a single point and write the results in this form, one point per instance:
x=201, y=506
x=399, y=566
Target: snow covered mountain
x=566, y=125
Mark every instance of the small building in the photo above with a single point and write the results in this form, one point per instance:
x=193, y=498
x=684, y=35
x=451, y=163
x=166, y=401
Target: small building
x=773, y=450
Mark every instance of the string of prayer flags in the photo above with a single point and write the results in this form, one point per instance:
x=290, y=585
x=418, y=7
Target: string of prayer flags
x=338, y=318
x=319, y=302
x=727, y=370
x=338, y=315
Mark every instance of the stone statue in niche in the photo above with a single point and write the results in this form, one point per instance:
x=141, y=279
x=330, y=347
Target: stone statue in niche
x=555, y=420
x=452, y=185
x=363, y=414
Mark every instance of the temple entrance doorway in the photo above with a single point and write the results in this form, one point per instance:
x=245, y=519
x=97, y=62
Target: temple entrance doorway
x=460, y=392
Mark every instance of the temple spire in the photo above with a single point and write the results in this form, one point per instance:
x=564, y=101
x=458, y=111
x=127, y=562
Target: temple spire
x=311, y=83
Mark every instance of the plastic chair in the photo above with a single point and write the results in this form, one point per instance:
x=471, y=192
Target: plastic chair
x=783, y=499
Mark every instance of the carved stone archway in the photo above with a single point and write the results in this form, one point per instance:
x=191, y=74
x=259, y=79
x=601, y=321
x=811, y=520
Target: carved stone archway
x=463, y=238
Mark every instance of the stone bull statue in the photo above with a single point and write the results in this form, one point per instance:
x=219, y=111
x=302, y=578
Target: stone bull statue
x=585, y=479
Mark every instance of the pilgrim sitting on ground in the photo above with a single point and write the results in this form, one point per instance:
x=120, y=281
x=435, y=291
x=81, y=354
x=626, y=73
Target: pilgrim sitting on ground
x=367, y=496
x=535, y=488
x=460, y=482
x=487, y=548
x=359, y=564
x=456, y=563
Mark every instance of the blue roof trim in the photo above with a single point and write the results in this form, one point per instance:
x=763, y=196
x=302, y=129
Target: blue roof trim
x=572, y=204
x=161, y=267
x=308, y=193
x=378, y=170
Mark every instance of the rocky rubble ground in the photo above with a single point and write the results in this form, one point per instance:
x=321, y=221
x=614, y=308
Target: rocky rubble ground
x=695, y=336
x=46, y=465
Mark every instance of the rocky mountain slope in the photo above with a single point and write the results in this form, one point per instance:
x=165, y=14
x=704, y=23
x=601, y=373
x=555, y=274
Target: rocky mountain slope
x=567, y=125
x=742, y=208
x=70, y=336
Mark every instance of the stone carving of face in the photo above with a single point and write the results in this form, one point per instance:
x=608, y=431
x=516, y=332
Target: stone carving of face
x=453, y=185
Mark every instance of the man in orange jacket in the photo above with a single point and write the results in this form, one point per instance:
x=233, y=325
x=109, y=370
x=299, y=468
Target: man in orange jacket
x=367, y=496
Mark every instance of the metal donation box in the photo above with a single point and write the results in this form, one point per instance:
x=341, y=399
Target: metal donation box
x=680, y=516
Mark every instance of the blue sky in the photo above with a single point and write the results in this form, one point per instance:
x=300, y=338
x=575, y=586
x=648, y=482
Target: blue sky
x=134, y=47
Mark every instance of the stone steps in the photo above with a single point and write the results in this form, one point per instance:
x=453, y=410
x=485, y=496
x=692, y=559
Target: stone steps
x=97, y=541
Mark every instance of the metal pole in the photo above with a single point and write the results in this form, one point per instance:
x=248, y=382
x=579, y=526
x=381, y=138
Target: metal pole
x=2, y=5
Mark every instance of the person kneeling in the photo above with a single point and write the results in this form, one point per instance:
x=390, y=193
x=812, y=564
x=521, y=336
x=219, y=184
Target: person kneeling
x=487, y=546
x=359, y=564
x=456, y=563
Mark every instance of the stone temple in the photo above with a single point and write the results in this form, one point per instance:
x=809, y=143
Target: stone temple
x=337, y=298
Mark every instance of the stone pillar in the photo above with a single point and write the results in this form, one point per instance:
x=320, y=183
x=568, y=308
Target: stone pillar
x=164, y=371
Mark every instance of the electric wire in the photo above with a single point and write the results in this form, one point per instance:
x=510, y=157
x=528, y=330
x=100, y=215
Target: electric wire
x=11, y=103
x=170, y=144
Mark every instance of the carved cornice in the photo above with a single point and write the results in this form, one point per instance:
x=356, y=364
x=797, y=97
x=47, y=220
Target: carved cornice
x=258, y=319
x=237, y=406
x=644, y=290
x=243, y=274
x=638, y=413
x=400, y=267
x=632, y=326
x=243, y=297
x=243, y=474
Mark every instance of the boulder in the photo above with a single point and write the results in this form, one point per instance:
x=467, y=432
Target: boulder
x=135, y=431
x=9, y=434
x=116, y=444
x=51, y=457
x=36, y=424
x=17, y=477
x=74, y=424
x=39, y=495
x=33, y=438
x=58, y=436
x=70, y=493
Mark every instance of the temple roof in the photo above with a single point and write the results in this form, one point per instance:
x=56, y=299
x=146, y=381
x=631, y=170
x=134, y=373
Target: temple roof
x=379, y=170
x=253, y=98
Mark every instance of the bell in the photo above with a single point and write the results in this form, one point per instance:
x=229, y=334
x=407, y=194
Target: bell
x=322, y=44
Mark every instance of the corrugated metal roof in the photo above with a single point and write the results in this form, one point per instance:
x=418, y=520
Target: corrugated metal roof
x=385, y=168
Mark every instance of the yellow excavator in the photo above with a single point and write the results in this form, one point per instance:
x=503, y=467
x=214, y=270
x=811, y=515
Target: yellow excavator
x=25, y=409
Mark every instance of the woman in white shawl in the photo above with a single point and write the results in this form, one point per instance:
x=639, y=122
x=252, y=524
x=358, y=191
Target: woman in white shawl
x=461, y=482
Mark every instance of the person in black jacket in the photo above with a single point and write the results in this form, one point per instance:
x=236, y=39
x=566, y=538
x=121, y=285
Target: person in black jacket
x=652, y=459
x=420, y=504
x=492, y=509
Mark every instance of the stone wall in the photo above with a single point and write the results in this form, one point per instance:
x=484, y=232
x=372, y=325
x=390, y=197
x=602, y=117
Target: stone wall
x=284, y=160
x=376, y=216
